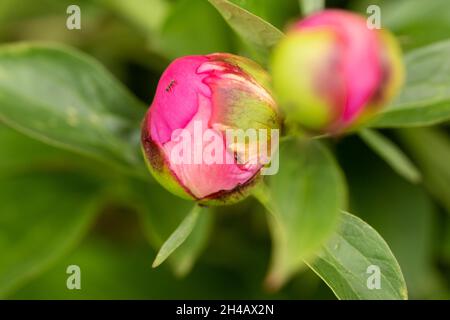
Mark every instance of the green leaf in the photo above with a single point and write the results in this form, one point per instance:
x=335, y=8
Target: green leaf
x=62, y=97
x=251, y=28
x=305, y=197
x=388, y=151
x=445, y=245
x=21, y=153
x=276, y=12
x=178, y=236
x=117, y=270
x=431, y=149
x=401, y=212
x=416, y=23
x=147, y=15
x=24, y=154
x=161, y=214
x=183, y=258
x=425, y=98
x=192, y=27
x=344, y=263
x=173, y=29
x=43, y=215
x=311, y=6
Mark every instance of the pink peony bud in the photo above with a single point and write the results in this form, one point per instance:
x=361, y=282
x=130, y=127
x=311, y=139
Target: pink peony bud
x=198, y=102
x=331, y=71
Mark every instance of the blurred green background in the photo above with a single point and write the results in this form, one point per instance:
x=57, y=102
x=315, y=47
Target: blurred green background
x=43, y=230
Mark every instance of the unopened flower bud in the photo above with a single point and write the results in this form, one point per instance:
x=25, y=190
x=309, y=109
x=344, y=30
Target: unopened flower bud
x=331, y=71
x=192, y=133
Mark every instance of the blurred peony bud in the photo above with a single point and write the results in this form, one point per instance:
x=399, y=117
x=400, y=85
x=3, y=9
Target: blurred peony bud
x=331, y=71
x=194, y=134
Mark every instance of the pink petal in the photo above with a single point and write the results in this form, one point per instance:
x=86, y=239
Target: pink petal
x=205, y=179
x=359, y=56
x=175, y=101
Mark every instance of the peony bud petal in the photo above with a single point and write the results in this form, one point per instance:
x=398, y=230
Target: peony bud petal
x=198, y=99
x=331, y=70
